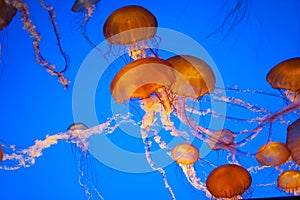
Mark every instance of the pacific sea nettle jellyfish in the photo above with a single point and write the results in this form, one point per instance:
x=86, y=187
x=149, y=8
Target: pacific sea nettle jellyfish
x=131, y=26
x=82, y=5
x=7, y=13
x=84, y=162
x=228, y=181
x=289, y=181
x=272, y=154
x=293, y=140
x=194, y=79
x=286, y=76
x=1, y=154
x=186, y=155
x=221, y=139
x=142, y=78
x=88, y=6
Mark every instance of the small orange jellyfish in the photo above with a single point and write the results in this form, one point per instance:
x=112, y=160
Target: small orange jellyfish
x=286, y=75
x=131, y=26
x=77, y=126
x=272, y=154
x=228, y=181
x=186, y=155
x=1, y=154
x=221, y=139
x=7, y=12
x=289, y=181
x=82, y=5
x=293, y=140
x=194, y=77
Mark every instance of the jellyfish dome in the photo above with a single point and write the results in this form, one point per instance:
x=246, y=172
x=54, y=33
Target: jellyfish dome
x=129, y=25
x=289, y=181
x=272, y=154
x=186, y=154
x=194, y=77
x=286, y=75
x=293, y=140
x=1, y=154
x=220, y=139
x=141, y=78
x=77, y=126
x=7, y=12
x=228, y=181
x=82, y=5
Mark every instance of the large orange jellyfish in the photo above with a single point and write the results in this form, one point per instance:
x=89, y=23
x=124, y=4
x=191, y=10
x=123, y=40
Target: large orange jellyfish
x=132, y=26
x=272, y=154
x=141, y=78
x=289, y=181
x=286, y=76
x=228, y=181
x=293, y=140
x=7, y=13
x=194, y=77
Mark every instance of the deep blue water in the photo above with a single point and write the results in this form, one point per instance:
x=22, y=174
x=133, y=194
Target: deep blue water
x=244, y=44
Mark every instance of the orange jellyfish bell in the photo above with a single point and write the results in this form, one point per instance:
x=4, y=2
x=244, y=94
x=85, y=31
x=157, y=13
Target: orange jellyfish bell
x=289, y=181
x=272, y=154
x=293, y=140
x=194, y=77
x=7, y=12
x=82, y=5
x=186, y=154
x=141, y=78
x=228, y=181
x=220, y=139
x=1, y=154
x=129, y=25
x=286, y=75
x=77, y=126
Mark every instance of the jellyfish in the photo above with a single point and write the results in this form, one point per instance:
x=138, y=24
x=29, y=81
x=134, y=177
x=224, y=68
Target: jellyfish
x=82, y=5
x=7, y=13
x=131, y=26
x=194, y=77
x=89, y=6
x=186, y=155
x=272, y=154
x=221, y=139
x=286, y=77
x=22, y=7
x=228, y=181
x=293, y=140
x=289, y=181
x=142, y=78
x=84, y=162
x=1, y=154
